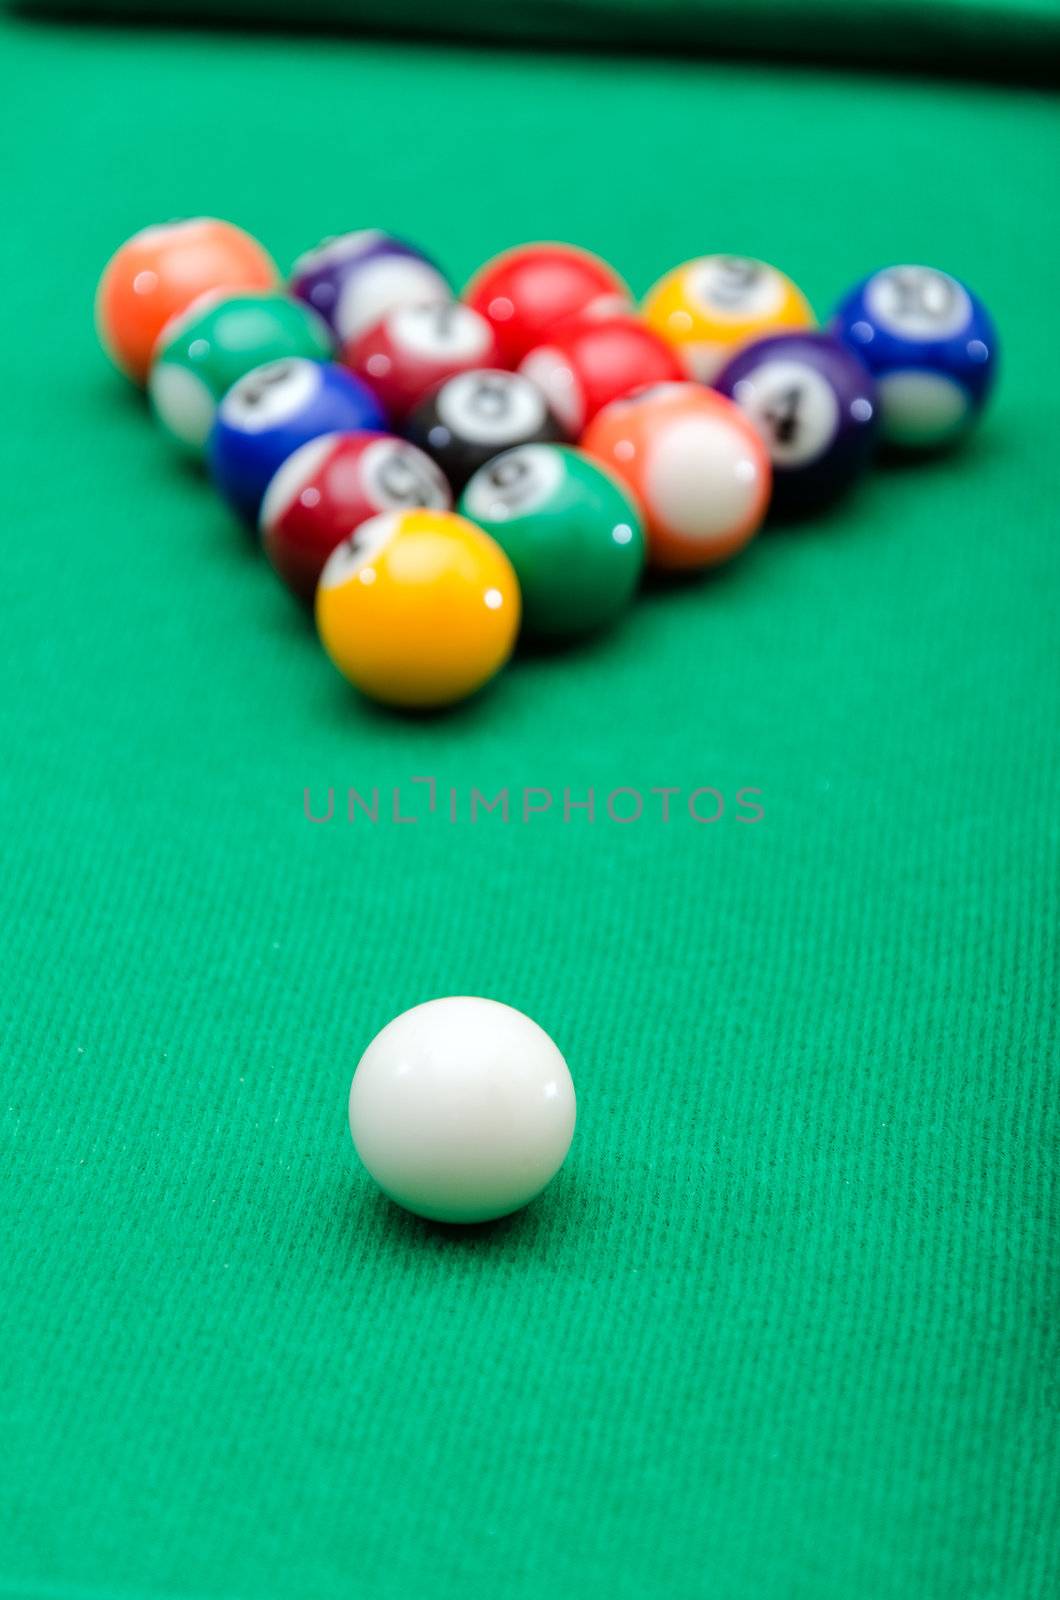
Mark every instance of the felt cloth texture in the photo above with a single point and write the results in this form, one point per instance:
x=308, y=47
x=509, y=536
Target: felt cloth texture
x=998, y=35
x=784, y=1326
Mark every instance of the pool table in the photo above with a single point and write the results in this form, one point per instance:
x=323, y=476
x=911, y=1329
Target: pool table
x=783, y=1328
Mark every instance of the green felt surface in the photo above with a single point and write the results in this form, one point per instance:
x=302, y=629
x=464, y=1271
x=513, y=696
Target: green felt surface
x=783, y=1329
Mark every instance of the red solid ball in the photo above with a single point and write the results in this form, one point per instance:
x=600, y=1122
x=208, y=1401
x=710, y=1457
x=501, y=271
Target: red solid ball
x=329, y=486
x=588, y=361
x=415, y=348
x=524, y=292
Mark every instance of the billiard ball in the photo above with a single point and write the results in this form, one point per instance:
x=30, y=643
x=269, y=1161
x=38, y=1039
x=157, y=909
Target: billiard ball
x=418, y=608
x=814, y=403
x=217, y=341
x=475, y=415
x=353, y=281
x=414, y=348
x=571, y=531
x=462, y=1109
x=588, y=361
x=157, y=274
x=523, y=292
x=328, y=487
x=709, y=307
x=932, y=347
x=266, y=415
x=695, y=465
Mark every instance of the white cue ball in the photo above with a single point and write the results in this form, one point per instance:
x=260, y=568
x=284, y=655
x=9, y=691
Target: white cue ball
x=462, y=1109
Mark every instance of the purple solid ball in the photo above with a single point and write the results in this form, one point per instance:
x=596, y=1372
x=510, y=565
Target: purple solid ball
x=353, y=280
x=814, y=403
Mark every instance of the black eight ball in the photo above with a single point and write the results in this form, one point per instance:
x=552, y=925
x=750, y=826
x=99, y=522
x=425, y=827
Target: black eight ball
x=473, y=416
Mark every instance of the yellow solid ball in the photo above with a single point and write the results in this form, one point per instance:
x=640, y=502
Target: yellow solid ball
x=418, y=608
x=709, y=308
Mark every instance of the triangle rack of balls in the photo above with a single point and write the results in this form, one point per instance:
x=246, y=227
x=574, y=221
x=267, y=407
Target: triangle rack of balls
x=436, y=473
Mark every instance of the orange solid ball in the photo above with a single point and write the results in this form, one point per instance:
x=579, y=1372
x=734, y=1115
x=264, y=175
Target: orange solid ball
x=418, y=608
x=157, y=274
x=695, y=465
